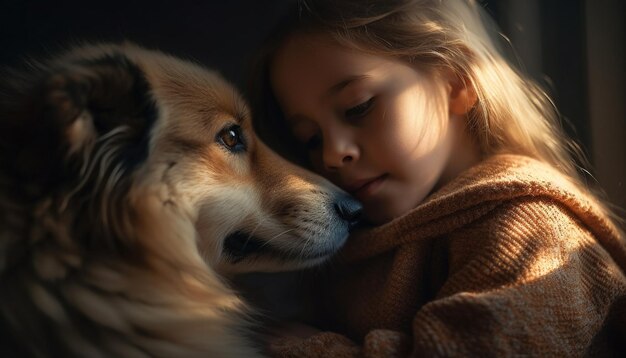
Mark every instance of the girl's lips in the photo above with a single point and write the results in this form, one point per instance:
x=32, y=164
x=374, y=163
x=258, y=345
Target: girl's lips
x=364, y=189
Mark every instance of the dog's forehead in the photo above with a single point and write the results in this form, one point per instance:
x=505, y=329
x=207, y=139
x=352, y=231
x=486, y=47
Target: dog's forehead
x=188, y=92
x=183, y=79
x=178, y=82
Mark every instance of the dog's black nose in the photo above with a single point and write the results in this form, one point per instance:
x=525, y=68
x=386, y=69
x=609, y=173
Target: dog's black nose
x=348, y=209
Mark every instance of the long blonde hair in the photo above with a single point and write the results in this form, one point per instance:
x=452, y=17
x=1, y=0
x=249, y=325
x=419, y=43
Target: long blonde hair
x=513, y=114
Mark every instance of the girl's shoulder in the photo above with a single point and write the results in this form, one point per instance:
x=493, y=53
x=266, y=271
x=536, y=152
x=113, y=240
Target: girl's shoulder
x=502, y=195
x=532, y=199
x=508, y=174
x=507, y=177
x=515, y=189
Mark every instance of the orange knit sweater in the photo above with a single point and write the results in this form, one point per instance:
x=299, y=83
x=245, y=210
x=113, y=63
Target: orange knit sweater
x=507, y=259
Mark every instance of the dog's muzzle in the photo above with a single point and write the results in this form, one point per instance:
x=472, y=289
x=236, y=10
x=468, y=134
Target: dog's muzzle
x=347, y=214
x=348, y=210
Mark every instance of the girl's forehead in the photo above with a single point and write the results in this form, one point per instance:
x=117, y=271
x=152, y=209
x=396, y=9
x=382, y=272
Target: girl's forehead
x=321, y=53
x=317, y=61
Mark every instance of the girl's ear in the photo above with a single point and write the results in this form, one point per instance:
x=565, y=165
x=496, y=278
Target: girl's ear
x=462, y=95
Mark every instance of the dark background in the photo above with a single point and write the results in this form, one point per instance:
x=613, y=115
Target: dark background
x=575, y=48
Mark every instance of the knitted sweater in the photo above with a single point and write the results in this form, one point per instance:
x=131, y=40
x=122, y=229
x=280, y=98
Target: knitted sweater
x=507, y=259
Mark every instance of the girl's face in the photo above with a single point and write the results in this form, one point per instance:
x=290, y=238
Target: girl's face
x=377, y=127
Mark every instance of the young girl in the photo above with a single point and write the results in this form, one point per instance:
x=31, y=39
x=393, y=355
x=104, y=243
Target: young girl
x=483, y=239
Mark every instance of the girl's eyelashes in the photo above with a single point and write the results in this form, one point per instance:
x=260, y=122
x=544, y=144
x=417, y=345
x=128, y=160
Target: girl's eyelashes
x=313, y=142
x=360, y=110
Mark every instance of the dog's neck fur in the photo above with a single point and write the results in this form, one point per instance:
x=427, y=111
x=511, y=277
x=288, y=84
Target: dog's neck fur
x=180, y=297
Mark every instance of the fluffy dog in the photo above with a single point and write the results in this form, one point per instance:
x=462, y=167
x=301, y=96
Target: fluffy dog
x=130, y=183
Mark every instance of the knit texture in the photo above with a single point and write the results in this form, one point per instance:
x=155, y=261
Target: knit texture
x=508, y=259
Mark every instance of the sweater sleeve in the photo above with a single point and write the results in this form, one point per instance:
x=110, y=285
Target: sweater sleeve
x=528, y=280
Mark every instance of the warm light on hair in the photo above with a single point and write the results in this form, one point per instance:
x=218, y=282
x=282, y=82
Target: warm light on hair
x=512, y=115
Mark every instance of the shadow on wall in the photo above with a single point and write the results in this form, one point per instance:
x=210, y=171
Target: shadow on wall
x=575, y=48
x=219, y=34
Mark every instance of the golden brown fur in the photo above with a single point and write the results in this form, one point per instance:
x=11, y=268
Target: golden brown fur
x=123, y=204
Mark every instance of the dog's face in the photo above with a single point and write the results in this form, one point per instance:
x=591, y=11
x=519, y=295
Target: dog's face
x=132, y=151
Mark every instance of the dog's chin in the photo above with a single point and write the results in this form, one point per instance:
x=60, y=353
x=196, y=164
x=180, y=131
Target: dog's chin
x=263, y=256
x=270, y=265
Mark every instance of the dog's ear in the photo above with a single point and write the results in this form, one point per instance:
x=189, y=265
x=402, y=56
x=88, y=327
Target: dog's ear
x=87, y=99
x=52, y=118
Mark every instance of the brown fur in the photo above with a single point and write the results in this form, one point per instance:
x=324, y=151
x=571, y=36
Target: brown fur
x=121, y=209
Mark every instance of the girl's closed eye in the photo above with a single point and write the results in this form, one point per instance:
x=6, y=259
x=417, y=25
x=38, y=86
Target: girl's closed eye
x=313, y=142
x=359, y=110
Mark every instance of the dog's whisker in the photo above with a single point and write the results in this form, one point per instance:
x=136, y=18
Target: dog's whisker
x=273, y=238
x=306, y=247
x=282, y=233
x=251, y=234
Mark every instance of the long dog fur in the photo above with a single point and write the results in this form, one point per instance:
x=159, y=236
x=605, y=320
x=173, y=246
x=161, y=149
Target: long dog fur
x=131, y=182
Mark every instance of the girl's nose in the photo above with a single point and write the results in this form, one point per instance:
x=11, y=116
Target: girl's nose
x=339, y=150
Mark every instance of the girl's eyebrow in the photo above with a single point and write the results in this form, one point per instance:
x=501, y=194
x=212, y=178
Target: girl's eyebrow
x=343, y=84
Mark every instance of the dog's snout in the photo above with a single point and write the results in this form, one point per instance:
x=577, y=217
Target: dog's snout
x=349, y=209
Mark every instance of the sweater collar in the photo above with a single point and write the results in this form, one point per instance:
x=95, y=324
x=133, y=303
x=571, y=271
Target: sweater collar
x=475, y=192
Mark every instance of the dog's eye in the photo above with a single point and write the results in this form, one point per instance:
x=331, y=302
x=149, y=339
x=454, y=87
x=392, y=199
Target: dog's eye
x=231, y=138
